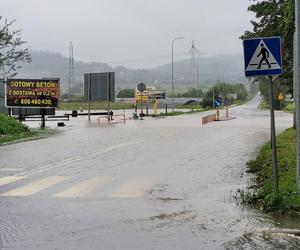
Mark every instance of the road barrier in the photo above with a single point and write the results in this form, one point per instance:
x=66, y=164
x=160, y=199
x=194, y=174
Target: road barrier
x=120, y=118
x=217, y=117
x=209, y=118
x=225, y=117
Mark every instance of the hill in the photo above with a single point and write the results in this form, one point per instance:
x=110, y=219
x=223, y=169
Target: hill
x=223, y=68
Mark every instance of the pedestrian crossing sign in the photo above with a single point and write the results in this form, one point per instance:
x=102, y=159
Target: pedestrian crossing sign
x=262, y=56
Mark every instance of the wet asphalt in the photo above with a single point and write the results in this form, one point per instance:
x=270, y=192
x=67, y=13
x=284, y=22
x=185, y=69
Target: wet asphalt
x=163, y=183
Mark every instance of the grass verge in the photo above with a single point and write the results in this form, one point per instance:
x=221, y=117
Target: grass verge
x=11, y=130
x=261, y=195
x=175, y=113
x=94, y=105
x=290, y=107
x=264, y=104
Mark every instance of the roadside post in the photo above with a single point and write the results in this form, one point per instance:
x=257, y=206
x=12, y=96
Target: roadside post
x=218, y=114
x=155, y=106
x=262, y=57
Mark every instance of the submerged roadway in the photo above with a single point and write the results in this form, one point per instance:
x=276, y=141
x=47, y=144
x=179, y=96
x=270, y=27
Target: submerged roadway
x=164, y=183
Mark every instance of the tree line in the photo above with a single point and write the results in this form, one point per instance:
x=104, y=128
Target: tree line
x=225, y=91
x=275, y=18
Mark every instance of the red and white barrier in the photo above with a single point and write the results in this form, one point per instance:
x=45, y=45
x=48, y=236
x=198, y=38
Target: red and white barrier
x=209, y=118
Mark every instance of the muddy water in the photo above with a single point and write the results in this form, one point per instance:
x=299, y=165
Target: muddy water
x=169, y=184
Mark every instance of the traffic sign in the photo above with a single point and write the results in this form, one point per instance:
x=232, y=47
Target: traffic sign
x=280, y=97
x=218, y=102
x=141, y=87
x=262, y=56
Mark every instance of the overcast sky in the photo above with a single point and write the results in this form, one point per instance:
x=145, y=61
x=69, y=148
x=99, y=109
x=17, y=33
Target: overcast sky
x=133, y=33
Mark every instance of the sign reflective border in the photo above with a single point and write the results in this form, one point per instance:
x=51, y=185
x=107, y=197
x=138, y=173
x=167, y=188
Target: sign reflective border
x=32, y=93
x=262, y=56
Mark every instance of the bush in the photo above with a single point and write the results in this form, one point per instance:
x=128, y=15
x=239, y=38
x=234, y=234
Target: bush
x=262, y=194
x=10, y=126
x=126, y=93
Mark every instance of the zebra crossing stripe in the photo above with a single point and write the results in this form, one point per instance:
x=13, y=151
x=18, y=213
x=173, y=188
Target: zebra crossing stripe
x=36, y=186
x=85, y=187
x=9, y=179
x=132, y=189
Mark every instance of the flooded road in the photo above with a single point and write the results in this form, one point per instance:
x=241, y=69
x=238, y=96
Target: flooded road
x=155, y=184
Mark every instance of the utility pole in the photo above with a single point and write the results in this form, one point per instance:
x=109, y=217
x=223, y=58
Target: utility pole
x=71, y=68
x=297, y=89
x=194, y=67
x=197, y=80
x=177, y=38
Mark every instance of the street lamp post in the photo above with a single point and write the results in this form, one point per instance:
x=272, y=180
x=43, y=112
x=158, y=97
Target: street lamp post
x=214, y=81
x=197, y=82
x=177, y=38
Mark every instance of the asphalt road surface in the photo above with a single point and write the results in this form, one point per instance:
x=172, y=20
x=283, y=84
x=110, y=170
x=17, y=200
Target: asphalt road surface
x=162, y=183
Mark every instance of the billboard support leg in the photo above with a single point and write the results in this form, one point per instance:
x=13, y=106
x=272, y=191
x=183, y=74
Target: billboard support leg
x=43, y=121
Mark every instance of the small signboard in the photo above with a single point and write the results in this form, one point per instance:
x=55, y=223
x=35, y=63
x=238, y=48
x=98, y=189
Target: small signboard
x=280, y=97
x=141, y=98
x=149, y=95
x=262, y=56
x=33, y=93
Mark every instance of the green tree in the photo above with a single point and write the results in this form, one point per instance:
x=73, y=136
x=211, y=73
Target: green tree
x=276, y=18
x=241, y=91
x=126, y=93
x=191, y=93
x=253, y=89
x=11, y=49
x=223, y=90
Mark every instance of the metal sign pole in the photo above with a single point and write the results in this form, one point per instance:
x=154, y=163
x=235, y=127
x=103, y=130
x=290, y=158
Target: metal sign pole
x=108, y=97
x=213, y=97
x=273, y=137
x=263, y=57
x=43, y=120
x=89, y=95
x=142, y=106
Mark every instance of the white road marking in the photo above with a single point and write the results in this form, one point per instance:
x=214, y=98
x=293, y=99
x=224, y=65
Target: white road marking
x=11, y=169
x=51, y=166
x=132, y=189
x=10, y=179
x=77, y=158
x=35, y=187
x=85, y=187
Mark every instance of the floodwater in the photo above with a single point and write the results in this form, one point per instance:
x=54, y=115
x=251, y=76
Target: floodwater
x=163, y=183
